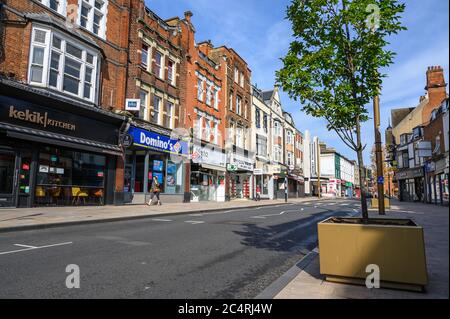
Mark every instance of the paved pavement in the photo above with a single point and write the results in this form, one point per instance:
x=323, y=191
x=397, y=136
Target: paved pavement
x=39, y=217
x=304, y=280
x=222, y=254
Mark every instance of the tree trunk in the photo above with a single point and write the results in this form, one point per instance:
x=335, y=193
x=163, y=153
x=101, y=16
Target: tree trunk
x=362, y=172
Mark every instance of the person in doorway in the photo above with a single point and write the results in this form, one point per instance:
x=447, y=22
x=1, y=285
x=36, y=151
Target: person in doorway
x=155, y=190
x=258, y=193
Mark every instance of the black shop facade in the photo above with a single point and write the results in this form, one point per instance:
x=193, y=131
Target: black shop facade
x=55, y=151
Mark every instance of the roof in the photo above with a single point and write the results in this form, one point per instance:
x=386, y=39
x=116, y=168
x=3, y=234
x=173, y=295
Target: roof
x=399, y=114
x=267, y=95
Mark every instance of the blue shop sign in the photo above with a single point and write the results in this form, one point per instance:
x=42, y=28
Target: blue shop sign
x=158, y=142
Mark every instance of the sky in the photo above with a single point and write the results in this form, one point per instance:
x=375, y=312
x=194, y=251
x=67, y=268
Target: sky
x=260, y=33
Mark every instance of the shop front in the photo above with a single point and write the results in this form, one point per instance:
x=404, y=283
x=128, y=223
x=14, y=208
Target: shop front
x=240, y=174
x=54, y=151
x=153, y=155
x=208, y=170
x=437, y=176
x=263, y=180
x=411, y=185
x=280, y=175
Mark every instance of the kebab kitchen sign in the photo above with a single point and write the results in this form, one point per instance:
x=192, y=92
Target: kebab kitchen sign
x=158, y=142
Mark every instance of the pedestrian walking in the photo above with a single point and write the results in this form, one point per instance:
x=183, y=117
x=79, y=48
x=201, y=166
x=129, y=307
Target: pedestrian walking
x=258, y=193
x=155, y=190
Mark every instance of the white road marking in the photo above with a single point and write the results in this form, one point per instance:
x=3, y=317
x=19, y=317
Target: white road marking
x=196, y=215
x=194, y=222
x=26, y=246
x=345, y=204
x=277, y=214
x=161, y=220
x=34, y=248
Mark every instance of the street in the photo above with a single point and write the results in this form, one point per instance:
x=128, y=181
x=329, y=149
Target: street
x=225, y=254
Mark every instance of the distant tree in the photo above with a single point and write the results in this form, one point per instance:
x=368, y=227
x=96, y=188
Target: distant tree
x=333, y=63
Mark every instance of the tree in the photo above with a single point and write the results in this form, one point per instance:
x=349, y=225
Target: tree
x=332, y=66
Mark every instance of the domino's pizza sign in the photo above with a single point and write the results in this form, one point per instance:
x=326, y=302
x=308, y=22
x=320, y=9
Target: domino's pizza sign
x=152, y=140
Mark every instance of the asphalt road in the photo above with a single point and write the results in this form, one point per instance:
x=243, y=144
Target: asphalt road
x=227, y=254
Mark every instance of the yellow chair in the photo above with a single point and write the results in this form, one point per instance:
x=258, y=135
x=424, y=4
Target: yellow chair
x=55, y=193
x=40, y=194
x=78, y=193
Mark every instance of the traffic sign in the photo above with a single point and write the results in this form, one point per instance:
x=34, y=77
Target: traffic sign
x=380, y=180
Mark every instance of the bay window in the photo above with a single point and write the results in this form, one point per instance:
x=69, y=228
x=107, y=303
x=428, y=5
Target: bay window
x=62, y=64
x=92, y=16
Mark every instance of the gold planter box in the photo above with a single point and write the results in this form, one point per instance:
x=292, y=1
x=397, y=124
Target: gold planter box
x=374, y=203
x=347, y=247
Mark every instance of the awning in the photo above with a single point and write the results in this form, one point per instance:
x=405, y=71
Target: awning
x=59, y=139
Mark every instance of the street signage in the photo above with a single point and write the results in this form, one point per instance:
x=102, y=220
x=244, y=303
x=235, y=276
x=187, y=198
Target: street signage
x=232, y=167
x=380, y=180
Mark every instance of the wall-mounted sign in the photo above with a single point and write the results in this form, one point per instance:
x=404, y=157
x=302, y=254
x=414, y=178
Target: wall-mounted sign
x=43, y=169
x=232, y=167
x=258, y=171
x=147, y=139
x=132, y=105
x=45, y=118
x=208, y=155
x=127, y=140
x=243, y=162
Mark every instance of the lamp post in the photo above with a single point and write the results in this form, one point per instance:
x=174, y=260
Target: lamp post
x=378, y=155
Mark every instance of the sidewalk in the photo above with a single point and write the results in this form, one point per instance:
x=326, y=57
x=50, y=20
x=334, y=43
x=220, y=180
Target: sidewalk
x=307, y=282
x=43, y=217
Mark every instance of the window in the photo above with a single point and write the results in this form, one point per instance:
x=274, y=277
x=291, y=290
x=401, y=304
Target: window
x=257, y=118
x=93, y=16
x=261, y=145
x=277, y=129
x=238, y=105
x=171, y=72
x=200, y=90
x=208, y=94
x=61, y=64
x=156, y=108
x=206, y=136
x=241, y=79
x=236, y=75
x=168, y=115
x=277, y=153
x=199, y=127
x=144, y=56
x=143, y=109
x=56, y=5
x=289, y=138
x=290, y=158
x=245, y=110
x=158, y=64
x=230, y=102
x=239, y=137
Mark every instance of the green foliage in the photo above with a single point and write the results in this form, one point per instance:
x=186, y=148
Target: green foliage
x=333, y=64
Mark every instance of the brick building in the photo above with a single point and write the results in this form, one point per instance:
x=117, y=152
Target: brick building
x=63, y=67
x=240, y=151
x=203, y=96
x=154, y=100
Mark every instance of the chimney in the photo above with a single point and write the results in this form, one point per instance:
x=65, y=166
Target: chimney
x=435, y=77
x=206, y=47
x=436, y=89
x=188, y=15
